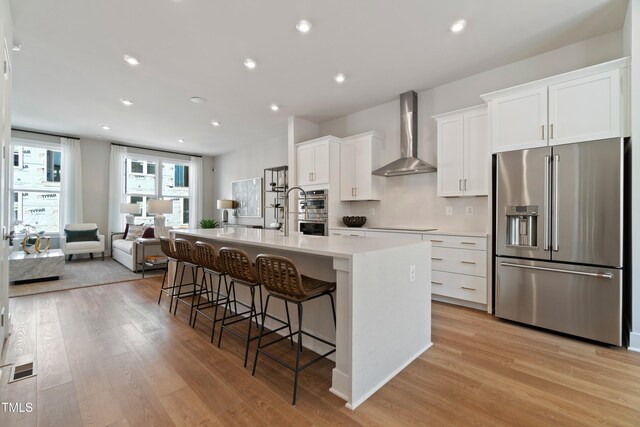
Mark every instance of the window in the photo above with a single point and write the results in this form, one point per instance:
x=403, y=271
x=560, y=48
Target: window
x=36, y=185
x=142, y=183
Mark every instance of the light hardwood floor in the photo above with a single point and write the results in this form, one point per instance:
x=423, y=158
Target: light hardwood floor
x=109, y=355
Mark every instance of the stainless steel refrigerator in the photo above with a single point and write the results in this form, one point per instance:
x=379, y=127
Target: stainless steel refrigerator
x=559, y=238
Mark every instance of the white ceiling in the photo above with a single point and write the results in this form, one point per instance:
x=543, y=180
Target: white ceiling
x=70, y=74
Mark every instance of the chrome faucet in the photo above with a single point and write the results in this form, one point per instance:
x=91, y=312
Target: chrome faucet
x=286, y=208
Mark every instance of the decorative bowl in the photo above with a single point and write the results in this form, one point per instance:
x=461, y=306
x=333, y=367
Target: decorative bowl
x=354, y=221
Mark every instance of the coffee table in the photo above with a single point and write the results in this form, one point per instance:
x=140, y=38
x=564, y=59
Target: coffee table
x=27, y=267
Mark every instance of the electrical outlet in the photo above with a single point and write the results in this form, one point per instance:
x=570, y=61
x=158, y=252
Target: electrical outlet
x=469, y=210
x=448, y=211
x=372, y=211
x=412, y=273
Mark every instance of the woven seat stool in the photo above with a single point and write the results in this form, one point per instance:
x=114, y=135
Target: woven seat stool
x=208, y=258
x=239, y=268
x=166, y=245
x=185, y=252
x=281, y=278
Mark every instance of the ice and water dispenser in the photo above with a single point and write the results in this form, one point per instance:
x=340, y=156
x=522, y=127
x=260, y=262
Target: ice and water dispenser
x=522, y=226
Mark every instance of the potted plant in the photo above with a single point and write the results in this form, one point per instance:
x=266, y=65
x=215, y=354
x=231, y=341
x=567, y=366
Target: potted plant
x=208, y=223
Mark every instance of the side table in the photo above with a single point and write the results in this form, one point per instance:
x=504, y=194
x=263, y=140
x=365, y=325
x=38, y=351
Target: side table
x=145, y=264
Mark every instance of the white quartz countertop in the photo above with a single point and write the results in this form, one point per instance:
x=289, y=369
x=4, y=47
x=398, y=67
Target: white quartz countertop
x=333, y=246
x=417, y=230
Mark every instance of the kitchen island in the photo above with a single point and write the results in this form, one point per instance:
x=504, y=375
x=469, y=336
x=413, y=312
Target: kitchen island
x=383, y=299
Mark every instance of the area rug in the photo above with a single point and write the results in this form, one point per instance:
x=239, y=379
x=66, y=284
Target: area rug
x=80, y=273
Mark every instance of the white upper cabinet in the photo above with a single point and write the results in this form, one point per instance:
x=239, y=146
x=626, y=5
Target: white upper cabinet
x=359, y=155
x=313, y=161
x=585, y=109
x=463, y=153
x=519, y=121
x=581, y=105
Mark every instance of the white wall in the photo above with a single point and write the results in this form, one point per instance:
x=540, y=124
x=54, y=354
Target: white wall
x=95, y=184
x=411, y=200
x=245, y=163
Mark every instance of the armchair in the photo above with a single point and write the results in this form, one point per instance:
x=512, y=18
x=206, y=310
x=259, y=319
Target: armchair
x=82, y=239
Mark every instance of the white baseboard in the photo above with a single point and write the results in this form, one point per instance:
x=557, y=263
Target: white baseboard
x=634, y=341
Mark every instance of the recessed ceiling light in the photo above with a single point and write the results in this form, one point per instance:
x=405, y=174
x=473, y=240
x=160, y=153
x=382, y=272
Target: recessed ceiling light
x=215, y=123
x=126, y=102
x=16, y=47
x=274, y=107
x=181, y=141
x=340, y=78
x=131, y=60
x=250, y=63
x=303, y=26
x=105, y=127
x=198, y=100
x=458, y=26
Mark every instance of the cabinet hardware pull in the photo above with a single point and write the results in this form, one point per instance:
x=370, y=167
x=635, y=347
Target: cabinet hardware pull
x=436, y=259
x=543, y=132
x=310, y=177
x=467, y=262
x=460, y=184
x=464, y=187
x=356, y=191
x=468, y=243
x=436, y=241
x=352, y=193
x=551, y=131
x=559, y=270
x=467, y=288
x=436, y=283
x=547, y=204
x=554, y=218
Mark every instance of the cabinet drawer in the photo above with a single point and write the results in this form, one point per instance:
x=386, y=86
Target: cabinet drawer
x=460, y=286
x=408, y=237
x=360, y=233
x=462, y=242
x=464, y=261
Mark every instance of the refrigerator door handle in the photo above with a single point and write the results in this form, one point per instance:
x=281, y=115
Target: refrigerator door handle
x=547, y=204
x=559, y=270
x=556, y=186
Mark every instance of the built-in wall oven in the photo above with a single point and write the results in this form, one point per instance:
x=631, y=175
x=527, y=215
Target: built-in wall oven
x=313, y=212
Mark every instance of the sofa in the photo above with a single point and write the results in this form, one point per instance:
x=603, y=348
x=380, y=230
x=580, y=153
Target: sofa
x=129, y=254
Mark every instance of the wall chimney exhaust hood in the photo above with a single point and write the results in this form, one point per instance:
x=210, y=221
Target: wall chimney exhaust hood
x=408, y=163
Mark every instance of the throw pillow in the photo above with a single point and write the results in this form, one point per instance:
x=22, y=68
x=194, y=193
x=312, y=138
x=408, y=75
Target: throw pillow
x=135, y=231
x=81, y=235
x=148, y=233
x=126, y=230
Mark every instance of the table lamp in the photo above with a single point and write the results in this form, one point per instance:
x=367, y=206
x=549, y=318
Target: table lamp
x=225, y=204
x=158, y=208
x=129, y=209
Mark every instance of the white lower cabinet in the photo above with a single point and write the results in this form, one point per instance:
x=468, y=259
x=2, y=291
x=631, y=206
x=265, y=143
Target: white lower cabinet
x=459, y=267
x=459, y=286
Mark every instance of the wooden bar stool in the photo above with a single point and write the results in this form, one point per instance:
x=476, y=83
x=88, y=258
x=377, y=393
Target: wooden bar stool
x=166, y=245
x=208, y=258
x=185, y=253
x=281, y=278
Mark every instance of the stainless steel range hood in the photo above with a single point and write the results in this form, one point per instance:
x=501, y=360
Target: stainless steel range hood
x=408, y=163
